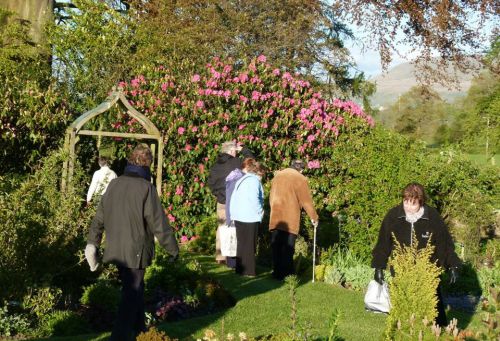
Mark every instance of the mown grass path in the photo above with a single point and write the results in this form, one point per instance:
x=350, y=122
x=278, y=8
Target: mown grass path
x=263, y=308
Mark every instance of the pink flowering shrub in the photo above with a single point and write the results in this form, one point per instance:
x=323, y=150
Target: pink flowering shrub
x=279, y=116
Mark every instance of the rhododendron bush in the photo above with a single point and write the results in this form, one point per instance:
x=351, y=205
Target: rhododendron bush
x=275, y=114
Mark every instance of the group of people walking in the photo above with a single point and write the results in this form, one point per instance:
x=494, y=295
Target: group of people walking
x=131, y=215
x=236, y=183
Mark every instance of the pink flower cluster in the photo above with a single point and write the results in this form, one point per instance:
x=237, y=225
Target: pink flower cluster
x=273, y=111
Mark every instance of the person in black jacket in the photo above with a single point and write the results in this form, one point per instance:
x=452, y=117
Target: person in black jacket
x=131, y=214
x=413, y=215
x=226, y=162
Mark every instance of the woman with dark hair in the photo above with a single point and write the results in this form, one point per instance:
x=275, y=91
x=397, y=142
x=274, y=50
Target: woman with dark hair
x=413, y=217
x=246, y=208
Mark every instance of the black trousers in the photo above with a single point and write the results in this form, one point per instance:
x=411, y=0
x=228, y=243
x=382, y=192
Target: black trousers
x=283, y=247
x=246, y=236
x=441, y=319
x=130, y=318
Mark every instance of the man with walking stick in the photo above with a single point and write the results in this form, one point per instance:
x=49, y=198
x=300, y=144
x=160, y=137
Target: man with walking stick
x=290, y=194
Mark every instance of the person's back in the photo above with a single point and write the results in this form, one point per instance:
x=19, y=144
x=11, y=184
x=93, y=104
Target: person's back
x=289, y=194
x=131, y=214
x=100, y=179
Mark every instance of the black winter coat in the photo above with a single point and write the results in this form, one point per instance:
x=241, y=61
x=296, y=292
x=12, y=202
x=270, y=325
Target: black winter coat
x=131, y=214
x=224, y=165
x=430, y=225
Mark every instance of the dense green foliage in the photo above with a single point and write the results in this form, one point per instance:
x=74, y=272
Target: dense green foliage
x=103, y=295
x=63, y=323
x=32, y=110
x=368, y=170
x=343, y=267
x=43, y=231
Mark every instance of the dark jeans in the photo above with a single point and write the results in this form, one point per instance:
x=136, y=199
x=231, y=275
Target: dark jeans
x=130, y=318
x=246, y=236
x=283, y=246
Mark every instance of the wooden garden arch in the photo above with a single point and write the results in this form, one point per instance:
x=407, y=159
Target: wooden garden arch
x=75, y=129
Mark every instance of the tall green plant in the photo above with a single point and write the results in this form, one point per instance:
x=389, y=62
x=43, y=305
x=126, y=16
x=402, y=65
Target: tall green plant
x=413, y=288
x=42, y=231
x=33, y=112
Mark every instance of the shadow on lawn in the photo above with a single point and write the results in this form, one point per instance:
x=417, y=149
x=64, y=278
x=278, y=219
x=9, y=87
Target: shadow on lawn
x=240, y=287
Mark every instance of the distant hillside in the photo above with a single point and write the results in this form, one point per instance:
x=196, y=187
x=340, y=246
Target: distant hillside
x=401, y=78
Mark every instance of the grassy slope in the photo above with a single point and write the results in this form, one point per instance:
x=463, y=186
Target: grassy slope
x=263, y=308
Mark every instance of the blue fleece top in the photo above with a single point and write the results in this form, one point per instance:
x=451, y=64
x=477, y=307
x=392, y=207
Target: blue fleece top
x=231, y=181
x=247, y=200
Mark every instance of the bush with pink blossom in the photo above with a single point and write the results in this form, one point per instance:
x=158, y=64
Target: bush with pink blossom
x=279, y=116
x=355, y=169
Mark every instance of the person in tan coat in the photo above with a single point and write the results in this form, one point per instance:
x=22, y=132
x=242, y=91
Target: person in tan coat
x=290, y=194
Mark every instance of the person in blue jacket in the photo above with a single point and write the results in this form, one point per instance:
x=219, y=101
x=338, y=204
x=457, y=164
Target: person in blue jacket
x=246, y=208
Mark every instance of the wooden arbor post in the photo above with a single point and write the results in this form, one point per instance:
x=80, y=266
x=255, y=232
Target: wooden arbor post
x=75, y=129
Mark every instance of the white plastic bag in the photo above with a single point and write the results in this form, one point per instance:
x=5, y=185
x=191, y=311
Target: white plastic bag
x=228, y=240
x=377, y=297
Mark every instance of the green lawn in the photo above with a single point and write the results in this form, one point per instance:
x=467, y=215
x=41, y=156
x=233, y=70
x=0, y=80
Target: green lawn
x=480, y=159
x=263, y=308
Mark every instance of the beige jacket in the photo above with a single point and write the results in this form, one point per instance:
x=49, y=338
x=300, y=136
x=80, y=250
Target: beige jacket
x=289, y=194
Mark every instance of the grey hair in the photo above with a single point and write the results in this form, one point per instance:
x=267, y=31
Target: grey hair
x=228, y=146
x=297, y=165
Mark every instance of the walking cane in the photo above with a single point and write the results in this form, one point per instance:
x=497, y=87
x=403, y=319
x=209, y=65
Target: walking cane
x=314, y=251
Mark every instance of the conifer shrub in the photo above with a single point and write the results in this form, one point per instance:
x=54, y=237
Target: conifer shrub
x=412, y=289
x=153, y=334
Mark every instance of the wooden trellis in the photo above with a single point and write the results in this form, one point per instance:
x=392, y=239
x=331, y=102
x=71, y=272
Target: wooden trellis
x=75, y=130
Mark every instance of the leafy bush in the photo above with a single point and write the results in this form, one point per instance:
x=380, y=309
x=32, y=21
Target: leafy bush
x=181, y=289
x=370, y=168
x=103, y=295
x=333, y=275
x=342, y=267
x=205, y=230
x=41, y=301
x=33, y=114
x=489, y=277
x=413, y=288
x=42, y=232
x=319, y=272
x=13, y=324
x=301, y=255
x=358, y=277
x=277, y=115
x=63, y=323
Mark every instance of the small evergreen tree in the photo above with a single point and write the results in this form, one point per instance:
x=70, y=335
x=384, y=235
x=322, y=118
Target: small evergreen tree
x=412, y=289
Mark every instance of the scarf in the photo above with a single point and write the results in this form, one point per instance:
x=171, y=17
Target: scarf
x=143, y=172
x=413, y=217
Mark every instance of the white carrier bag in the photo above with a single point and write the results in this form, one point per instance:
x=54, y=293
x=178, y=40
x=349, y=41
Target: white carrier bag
x=377, y=297
x=227, y=234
